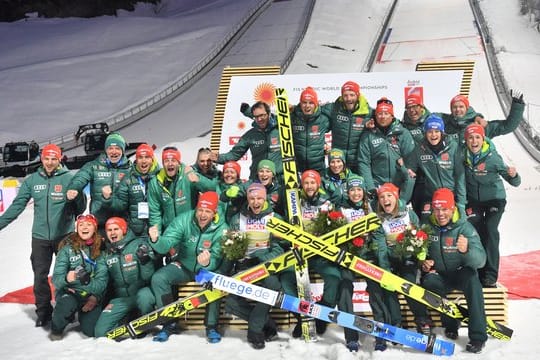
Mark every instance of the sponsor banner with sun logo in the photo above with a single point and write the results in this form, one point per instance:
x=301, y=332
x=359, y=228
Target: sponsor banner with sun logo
x=435, y=88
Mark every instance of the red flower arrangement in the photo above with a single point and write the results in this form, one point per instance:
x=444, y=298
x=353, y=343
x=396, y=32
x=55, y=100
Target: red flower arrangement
x=326, y=221
x=412, y=243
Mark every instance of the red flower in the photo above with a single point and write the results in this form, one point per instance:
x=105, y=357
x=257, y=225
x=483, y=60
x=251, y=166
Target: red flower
x=400, y=238
x=335, y=215
x=421, y=235
x=358, y=242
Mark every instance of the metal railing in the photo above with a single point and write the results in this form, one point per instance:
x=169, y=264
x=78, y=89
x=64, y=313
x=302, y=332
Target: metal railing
x=175, y=88
x=526, y=134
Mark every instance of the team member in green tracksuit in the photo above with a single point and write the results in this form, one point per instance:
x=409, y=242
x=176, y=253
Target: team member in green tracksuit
x=79, y=278
x=53, y=220
x=132, y=194
x=354, y=207
x=338, y=286
x=230, y=188
x=440, y=159
x=309, y=127
x=262, y=140
x=170, y=191
x=205, y=166
x=266, y=175
x=414, y=116
x=334, y=180
x=129, y=262
x=104, y=176
x=486, y=197
x=382, y=150
x=455, y=254
x=196, y=236
x=348, y=115
x=413, y=120
x=313, y=200
x=462, y=115
x=251, y=220
x=396, y=218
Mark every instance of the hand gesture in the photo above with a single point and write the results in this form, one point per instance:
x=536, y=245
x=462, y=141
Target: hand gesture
x=517, y=96
x=462, y=243
x=244, y=107
x=214, y=156
x=204, y=258
x=90, y=304
x=427, y=265
x=153, y=233
x=71, y=276
x=106, y=191
x=511, y=171
x=480, y=121
x=71, y=194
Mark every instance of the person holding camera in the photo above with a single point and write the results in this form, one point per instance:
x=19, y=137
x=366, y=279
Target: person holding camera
x=80, y=279
x=130, y=266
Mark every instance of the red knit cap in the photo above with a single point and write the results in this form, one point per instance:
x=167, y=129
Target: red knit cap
x=208, y=200
x=120, y=222
x=51, y=150
x=388, y=187
x=170, y=154
x=475, y=129
x=443, y=198
x=384, y=105
x=312, y=174
x=309, y=94
x=233, y=165
x=351, y=86
x=413, y=99
x=461, y=98
x=86, y=218
x=144, y=150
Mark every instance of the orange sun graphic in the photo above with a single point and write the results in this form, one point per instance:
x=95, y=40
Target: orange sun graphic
x=241, y=125
x=265, y=92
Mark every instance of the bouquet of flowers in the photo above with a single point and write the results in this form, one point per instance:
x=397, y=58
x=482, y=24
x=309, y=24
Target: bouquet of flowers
x=356, y=246
x=326, y=221
x=234, y=244
x=412, y=243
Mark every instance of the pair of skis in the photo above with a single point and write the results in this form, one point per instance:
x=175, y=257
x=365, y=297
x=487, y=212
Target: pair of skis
x=387, y=279
x=430, y=344
x=292, y=197
x=200, y=298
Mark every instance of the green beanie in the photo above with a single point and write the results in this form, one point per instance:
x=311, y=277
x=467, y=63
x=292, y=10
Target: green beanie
x=355, y=181
x=117, y=140
x=267, y=164
x=336, y=154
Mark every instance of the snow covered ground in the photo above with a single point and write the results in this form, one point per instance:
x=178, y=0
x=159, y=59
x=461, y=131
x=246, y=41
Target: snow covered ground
x=58, y=72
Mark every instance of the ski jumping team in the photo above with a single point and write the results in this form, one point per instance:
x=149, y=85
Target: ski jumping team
x=150, y=228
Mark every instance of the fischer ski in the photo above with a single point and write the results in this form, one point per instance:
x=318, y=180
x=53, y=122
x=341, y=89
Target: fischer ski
x=387, y=279
x=292, y=196
x=180, y=307
x=429, y=344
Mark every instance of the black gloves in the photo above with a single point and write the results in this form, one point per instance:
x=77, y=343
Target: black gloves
x=517, y=96
x=244, y=107
x=143, y=253
x=82, y=275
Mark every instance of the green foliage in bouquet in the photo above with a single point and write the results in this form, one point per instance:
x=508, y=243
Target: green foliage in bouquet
x=326, y=221
x=234, y=244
